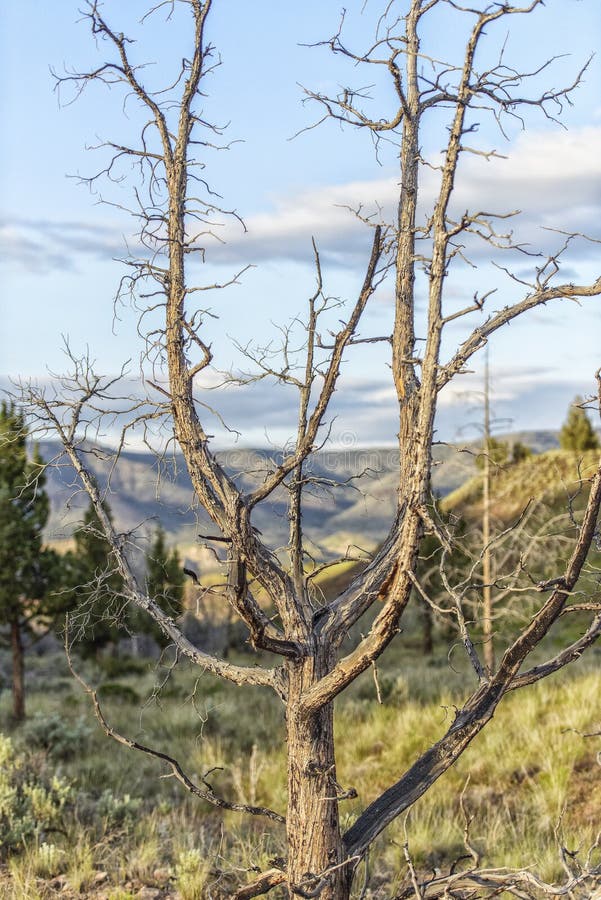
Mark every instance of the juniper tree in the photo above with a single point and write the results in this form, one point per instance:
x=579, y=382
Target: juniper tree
x=99, y=609
x=577, y=432
x=308, y=650
x=164, y=582
x=29, y=572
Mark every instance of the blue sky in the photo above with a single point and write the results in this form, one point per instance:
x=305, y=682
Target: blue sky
x=57, y=244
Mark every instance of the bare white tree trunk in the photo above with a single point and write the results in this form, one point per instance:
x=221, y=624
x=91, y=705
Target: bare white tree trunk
x=316, y=854
x=487, y=610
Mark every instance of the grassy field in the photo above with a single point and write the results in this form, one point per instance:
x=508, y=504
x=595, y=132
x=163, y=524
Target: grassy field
x=116, y=829
x=81, y=815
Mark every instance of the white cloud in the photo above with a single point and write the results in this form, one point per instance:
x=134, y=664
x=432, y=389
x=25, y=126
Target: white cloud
x=553, y=176
x=45, y=245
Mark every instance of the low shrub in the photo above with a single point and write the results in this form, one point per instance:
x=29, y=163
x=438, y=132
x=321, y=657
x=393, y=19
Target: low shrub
x=62, y=739
x=31, y=801
x=115, y=666
x=117, y=810
x=115, y=690
x=191, y=873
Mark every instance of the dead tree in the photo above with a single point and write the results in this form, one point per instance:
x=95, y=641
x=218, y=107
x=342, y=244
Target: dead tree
x=175, y=209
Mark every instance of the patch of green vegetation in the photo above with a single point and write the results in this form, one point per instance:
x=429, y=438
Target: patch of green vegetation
x=118, y=691
x=553, y=476
x=526, y=766
x=59, y=738
x=116, y=666
x=33, y=799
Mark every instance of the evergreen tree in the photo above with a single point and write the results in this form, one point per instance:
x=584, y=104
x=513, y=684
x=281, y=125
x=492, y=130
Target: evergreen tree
x=577, y=433
x=520, y=452
x=96, y=584
x=497, y=452
x=164, y=581
x=29, y=573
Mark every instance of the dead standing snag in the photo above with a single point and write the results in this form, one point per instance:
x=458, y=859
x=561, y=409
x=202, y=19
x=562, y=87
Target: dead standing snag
x=175, y=213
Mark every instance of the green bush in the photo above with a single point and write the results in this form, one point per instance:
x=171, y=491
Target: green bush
x=174, y=691
x=31, y=801
x=61, y=739
x=115, y=666
x=114, y=690
x=117, y=810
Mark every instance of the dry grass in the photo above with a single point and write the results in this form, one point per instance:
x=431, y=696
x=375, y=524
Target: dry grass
x=553, y=476
x=529, y=768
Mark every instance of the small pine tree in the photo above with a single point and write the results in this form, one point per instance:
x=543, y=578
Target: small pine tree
x=165, y=576
x=164, y=581
x=577, y=433
x=96, y=585
x=29, y=572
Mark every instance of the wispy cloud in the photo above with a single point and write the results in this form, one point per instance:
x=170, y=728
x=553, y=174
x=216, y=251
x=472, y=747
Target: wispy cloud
x=553, y=177
x=363, y=413
x=47, y=245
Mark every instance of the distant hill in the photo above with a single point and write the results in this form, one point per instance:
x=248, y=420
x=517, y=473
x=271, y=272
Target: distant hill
x=554, y=476
x=352, y=500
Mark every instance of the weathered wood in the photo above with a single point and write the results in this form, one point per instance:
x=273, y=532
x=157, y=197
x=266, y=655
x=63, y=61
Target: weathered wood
x=18, y=670
x=320, y=860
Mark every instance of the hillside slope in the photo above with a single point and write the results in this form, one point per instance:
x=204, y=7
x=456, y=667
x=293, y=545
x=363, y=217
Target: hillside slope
x=352, y=500
x=556, y=477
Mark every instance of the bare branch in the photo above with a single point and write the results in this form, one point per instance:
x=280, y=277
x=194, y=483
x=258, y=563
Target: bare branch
x=479, y=336
x=478, y=710
x=330, y=379
x=261, y=885
x=205, y=792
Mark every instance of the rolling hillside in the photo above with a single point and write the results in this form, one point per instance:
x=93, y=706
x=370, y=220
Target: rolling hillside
x=553, y=477
x=354, y=506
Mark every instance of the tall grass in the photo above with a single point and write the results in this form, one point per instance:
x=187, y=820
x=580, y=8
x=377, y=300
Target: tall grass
x=529, y=769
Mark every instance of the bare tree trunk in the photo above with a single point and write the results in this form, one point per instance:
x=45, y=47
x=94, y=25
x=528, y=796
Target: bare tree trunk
x=309, y=677
x=313, y=829
x=427, y=630
x=18, y=671
x=487, y=601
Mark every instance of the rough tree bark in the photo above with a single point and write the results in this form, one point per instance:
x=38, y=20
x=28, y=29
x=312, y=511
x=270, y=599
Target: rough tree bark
x=18, y=668
x=312, y=818
x=307, y=638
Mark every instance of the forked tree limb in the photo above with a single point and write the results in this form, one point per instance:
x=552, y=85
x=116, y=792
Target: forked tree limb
x=306, y=445
x=237, y=674
x=566, y=656
x=480, y=707
x=479, y=337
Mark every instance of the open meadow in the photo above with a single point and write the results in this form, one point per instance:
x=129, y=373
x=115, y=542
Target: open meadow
x=101, y=820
